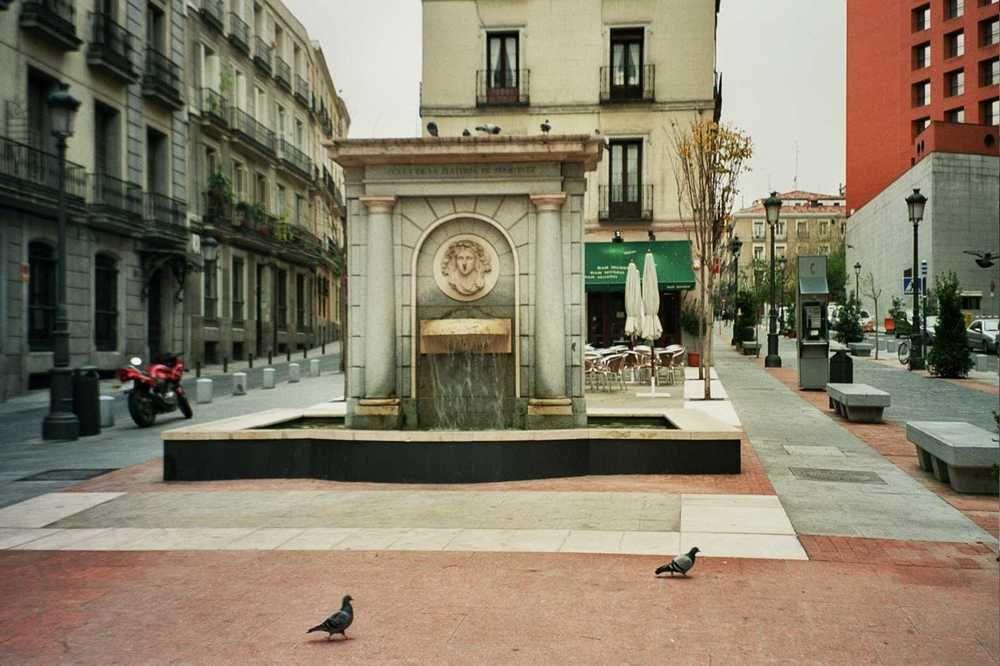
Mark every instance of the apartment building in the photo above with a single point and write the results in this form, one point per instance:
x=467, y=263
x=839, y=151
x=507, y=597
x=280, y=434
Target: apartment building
x=262, y=185
x=633, y=72
x=128, y=238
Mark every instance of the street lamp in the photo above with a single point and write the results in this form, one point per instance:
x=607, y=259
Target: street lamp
x=915, y=204
x=735, y=245
x=61, y=422
x=857, y=282
x=773, y=207
x=782, y=263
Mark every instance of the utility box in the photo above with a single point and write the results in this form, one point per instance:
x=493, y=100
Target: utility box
x=841, y=368
x=811, y=298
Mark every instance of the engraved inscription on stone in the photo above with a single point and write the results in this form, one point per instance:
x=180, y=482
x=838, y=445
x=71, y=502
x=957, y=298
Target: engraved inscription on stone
x=466, y=267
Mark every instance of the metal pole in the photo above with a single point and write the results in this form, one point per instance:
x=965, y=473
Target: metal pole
x=61, y=422
x=916, y=348
x=736, y=296
x=772, y=360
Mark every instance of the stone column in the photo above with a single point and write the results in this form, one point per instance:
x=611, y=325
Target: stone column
x=380, y=301
x=550, y=312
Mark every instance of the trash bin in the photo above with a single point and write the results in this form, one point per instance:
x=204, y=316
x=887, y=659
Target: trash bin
x=749, y=334
x=841, y=368
x=87, y=400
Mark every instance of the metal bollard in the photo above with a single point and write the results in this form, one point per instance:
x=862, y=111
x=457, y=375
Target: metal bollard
x=270, y=361
x=203, y=390
x=225, y=365
x=305, y=353
x=107, y=411
x=322, y=349
x=269, y=378
x=239, y=383
x=294, y=373
x=250, y=359
x=197, y=369
x=288, y=355
x=314, y=367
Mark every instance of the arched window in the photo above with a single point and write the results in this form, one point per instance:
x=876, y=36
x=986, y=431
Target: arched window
x=105, y=302
x=41, y=295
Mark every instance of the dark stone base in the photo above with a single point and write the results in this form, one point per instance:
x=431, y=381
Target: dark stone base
x=468, y=461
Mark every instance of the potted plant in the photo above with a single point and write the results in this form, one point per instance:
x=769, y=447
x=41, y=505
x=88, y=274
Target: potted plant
x=218, y=197
x=691, y=326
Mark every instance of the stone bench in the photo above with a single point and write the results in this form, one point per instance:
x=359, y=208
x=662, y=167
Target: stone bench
x=860, y=348
x=858, y=402
x=751, y=347
x=958, y=453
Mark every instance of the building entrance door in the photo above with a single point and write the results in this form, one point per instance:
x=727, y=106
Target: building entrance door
x=259, y=309
x=154, y=316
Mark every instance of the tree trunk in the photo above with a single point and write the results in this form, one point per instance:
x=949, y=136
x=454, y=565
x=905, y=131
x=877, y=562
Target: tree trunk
x=707, y=324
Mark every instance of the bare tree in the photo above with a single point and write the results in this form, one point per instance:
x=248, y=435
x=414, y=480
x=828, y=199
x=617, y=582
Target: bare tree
x=874, y=294
x=708, y=160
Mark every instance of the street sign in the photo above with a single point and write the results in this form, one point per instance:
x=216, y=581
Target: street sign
x=907, y=287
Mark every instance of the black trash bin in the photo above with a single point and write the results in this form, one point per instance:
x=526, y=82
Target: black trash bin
x=841, y=368
x=749, y=334
x=87, y=400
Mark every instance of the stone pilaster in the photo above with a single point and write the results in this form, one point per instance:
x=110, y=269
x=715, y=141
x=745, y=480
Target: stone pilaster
x=380, y=304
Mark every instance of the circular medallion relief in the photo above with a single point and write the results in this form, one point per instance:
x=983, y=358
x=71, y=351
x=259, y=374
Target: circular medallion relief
x=466, y=267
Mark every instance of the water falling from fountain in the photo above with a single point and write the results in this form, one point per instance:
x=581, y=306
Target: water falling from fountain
x=469, y=387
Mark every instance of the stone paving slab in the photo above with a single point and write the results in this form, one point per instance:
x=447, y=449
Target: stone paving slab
x=45, y=509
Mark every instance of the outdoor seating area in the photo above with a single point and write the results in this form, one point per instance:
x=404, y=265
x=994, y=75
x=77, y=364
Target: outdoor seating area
x=615, y=368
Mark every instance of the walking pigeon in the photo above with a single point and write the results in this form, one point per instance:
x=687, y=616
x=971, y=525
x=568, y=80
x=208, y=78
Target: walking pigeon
x=680, y=564
x=338, y=622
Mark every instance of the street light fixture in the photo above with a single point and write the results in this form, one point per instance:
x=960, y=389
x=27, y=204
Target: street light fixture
x=782, y=264
x=915, y=204
x=209, y=248
x=735, y=245
x=773, y=207
x=857, y=282
x=61, y=422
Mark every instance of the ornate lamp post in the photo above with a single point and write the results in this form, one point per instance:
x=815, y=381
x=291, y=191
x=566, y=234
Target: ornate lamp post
x=773, y=207
x=915, y=204
x=735, y=245
x=857, y=282
x=782, y=262
x=61, y=422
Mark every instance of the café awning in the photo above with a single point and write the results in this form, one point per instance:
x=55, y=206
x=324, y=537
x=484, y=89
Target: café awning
x=606, y=264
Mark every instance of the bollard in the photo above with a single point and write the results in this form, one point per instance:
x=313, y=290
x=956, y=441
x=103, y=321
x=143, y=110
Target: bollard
x=86, y=400
x=197, y=369
x=203, y=390
x=314, y=367
x=294, y=373
x=322, y=349
x=288, y=355
x=305, y=353
x=270, y=361
x=269, y=378
x=107, y=411
x=250, y=359
x=225, y=365
x=239, y=383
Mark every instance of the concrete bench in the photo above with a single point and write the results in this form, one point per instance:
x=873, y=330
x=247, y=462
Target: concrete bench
x=860, y=348
x=751, y=347
x=958, y=453
x=858, y=402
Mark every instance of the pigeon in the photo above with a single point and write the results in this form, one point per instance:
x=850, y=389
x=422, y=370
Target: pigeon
x=432, y=128
x=680, y=564
x=983, y=259
x=338, y=622
x=466, y=132
x=546, y=127
x=488, y=128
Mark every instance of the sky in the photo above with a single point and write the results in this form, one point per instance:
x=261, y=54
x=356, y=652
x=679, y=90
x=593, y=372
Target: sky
x=785, y=86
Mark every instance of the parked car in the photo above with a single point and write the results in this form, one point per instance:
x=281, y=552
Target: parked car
x=982, y=335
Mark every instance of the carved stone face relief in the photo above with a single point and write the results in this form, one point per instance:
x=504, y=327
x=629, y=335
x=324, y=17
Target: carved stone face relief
x=466, y=267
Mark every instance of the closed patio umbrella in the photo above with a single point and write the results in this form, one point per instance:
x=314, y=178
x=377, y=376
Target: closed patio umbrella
x=651, y=327
x=633, y=302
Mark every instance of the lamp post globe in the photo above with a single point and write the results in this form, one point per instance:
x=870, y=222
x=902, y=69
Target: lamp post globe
x=61, y=422
x=735, y=245
x=915, y=204
x=772, y=206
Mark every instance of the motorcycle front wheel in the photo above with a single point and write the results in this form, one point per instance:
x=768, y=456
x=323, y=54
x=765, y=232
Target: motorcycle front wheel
x=141, y=409
x=185, y=406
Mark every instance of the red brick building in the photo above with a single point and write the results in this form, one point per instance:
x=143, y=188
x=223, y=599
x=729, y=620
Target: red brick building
x=910, y=62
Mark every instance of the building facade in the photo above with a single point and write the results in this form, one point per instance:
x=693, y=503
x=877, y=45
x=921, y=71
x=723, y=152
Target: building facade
x=910, y=63
x=632, y=72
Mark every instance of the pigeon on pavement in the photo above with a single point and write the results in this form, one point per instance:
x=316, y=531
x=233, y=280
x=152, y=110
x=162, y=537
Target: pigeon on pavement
x=680, y=564
x=338, y=622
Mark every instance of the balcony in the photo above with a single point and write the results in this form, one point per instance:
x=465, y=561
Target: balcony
x=239, y=33
x=110, y=48
x=622, y=84
x=29, y=178
x=113, y=204
x=297, y=160
x=263, y=55
x=251, y=132
x=165, y=220
x=502, y=87
x=626, y=204
x=332, y=188
x=214, y=112
x=162, y=80
x=213, y=13
x=302, y=91
x=283, y=73
x=54, y=21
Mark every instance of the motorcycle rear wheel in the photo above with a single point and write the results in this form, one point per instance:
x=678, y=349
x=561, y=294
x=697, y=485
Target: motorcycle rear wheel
x=141, y=409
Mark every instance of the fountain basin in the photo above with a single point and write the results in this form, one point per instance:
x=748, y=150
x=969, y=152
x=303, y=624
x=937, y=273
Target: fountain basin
x=258, y=447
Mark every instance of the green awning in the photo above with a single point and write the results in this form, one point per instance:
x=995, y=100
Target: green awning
x=607, y=263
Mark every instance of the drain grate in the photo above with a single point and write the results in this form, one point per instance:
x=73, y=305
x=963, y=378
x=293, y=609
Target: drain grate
x=836, y=475
x=67, y=474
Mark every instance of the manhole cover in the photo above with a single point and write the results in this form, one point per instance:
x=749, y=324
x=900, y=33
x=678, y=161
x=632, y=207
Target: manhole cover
x=67, y=474
x=836, y=475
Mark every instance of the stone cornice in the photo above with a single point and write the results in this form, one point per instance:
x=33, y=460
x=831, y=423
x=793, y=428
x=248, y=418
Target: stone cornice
x=379, y=204
x=545, y=202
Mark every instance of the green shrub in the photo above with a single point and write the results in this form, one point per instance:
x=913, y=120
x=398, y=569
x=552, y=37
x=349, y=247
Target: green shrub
x=847, y=326
x=746, y=314
x=898, y=314
x=950, y=355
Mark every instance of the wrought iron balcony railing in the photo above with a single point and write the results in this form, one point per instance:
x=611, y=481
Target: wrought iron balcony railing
x=53, y=20
x=213, y=12
x=110, y=48
x=628, y=84
x=296, y=159
x=214, y=108
x=633, y=203
x=162, y=80
x=502, y=87
x=164, y=215
x=263, y=54
x=253, y=131
x=239, y=32
x=301, y=90
x=113, y=196
x=283, y=73
x=26, y=171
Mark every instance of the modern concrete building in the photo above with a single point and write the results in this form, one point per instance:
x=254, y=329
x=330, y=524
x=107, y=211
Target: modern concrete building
x=911, y=62
x=262, y=185
x=631, y=72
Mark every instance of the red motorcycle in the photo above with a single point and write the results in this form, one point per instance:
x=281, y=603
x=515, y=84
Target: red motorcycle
x=156, y=391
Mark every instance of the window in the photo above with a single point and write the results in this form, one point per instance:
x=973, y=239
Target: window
x=300, y=302
x=823, y=249
x=625, y=171
x=922, y=55
x=954, y=8
x=954, y=83
x=802, y=229
x=211, y=161
x=779, y=251
x=626, y=63
x=971, y=302
x=758, y=230
x=300, y=135
x=954, y=44
x=237, y=281
x=300, y=209
x=921, y=18
x=242, y=99
x=989, y=112
x=922, y=93
x=107, y=143
x=779, y=229
x=919, y=125
x=260, y=105
x=41, y=295
x=989, y=31
x=210, y=310
x=280, y=201
x=105, y=303
x=824, y=229
x=281, y=287
x=156, y=28
x=260, y=190
x=282, y=125
x=989, y=72
x=240, y=188
x=955, y=115
x=502, y=67
x=157, y=160
x=208, y=64
x=758, y=252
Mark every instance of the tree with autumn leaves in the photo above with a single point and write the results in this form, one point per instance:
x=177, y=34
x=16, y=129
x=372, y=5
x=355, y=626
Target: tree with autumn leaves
x=708, y=160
